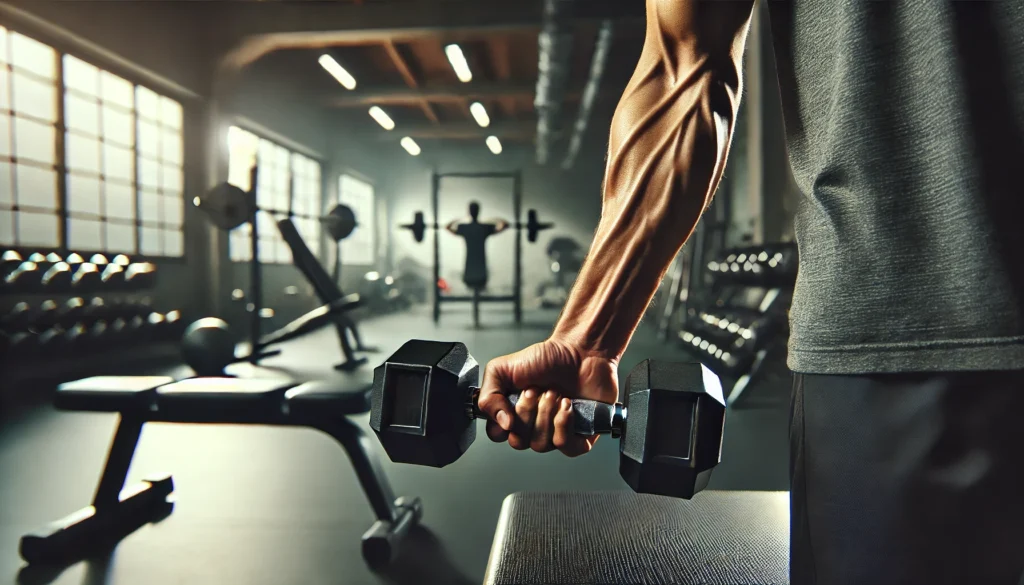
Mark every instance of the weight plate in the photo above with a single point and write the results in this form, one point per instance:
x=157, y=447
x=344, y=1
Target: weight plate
x=227, y=206
x=340, y=222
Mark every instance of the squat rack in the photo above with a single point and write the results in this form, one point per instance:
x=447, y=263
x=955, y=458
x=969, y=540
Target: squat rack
x=517, y=194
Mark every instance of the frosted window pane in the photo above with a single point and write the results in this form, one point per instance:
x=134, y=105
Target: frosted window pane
x=174, y=243
x=84, y=195
x=266, y=223
x=36, y=187
x=35, y=98
x=119, y=201
x=284, y=254
x=33, y=56
x=6, y=184
x=116, y=90
x=173, y=212
x=6, y=227
x=34, y=141
x=81, y=76
x=149, y=139
x=149, y=207
x=171, y=147
x=37, y=229
x=117, y=163
x=147, y=103
x=85, y=234
x=171, y=180
x=149, y=173
x=83, y=153
x=151, y=241
x=170, y=113
x=5, y=92
x=120, y=238
x=5, y=135
x=82, y=114
x=3, y=46
x=117, y=126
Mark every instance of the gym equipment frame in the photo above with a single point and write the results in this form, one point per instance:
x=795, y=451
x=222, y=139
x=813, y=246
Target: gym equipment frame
x=517, y=275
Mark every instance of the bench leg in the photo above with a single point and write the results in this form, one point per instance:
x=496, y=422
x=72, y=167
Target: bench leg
x=351, y=361
x=114, y=513
x=394, y=516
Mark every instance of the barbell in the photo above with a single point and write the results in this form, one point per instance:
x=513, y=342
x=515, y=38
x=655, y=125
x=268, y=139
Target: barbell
x=229, y=207
x=533, y=226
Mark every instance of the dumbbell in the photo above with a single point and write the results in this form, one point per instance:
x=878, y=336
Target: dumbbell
x=424, y=402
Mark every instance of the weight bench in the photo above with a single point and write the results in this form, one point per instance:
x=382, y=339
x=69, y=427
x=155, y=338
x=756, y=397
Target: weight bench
x=622, y=538
x=116, y=512
x=328, y=292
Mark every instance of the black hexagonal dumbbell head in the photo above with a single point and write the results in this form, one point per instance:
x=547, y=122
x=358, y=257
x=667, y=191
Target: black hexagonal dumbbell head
x=419, y=402
x=675, y=417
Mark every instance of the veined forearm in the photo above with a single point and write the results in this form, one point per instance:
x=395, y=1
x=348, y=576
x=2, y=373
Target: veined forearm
x=667, y=151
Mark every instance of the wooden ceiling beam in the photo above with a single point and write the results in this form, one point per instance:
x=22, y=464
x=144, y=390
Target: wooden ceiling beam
x=410, y=79
x=402, y=95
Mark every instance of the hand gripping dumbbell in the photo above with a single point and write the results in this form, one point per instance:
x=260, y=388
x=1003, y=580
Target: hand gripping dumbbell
x=424, y=403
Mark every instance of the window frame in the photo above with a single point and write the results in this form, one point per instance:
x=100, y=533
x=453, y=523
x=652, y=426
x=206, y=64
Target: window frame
x=64, y=210
x=241, y=235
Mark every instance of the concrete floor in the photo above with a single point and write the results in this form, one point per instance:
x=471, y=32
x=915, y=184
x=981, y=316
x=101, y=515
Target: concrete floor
x=259, y=505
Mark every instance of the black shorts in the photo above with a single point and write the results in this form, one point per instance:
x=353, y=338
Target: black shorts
x=908, y=479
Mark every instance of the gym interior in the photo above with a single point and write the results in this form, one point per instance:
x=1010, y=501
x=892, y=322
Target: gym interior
x=220, y=219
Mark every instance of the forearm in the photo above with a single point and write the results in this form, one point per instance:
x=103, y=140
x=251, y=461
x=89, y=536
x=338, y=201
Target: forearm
x=667, y=152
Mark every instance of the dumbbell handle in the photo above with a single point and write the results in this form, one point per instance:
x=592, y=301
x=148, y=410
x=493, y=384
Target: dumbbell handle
x=590, y=417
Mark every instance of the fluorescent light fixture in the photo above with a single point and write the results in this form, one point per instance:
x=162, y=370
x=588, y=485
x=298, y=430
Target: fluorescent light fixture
x=480, y=114
x=410, y=146
x=494, y=144
x=337, y=71
x=382, y=118
x=458, y=60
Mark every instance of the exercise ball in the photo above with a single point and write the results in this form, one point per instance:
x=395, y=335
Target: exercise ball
x=208, y=346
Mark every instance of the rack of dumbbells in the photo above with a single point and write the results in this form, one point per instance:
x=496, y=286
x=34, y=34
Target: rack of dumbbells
x=740, y=329
x=59, y=306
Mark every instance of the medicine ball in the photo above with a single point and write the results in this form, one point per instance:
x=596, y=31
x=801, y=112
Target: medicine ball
x=208, y=346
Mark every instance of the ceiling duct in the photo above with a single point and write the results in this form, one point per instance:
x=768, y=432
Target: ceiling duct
x=602, y=47
x=555, y=51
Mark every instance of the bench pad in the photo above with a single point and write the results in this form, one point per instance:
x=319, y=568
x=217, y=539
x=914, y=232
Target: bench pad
x=624, y=538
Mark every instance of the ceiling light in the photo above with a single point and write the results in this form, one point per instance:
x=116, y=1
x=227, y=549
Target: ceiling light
x=459, y=63
x=410, y=146
x=494, y=144
x=337, y=71
x=480, y=114
x=382, y=118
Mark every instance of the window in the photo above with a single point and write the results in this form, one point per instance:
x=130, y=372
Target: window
x=30, y=209
x=123, y=194
x=288, y=184
x=358, y=248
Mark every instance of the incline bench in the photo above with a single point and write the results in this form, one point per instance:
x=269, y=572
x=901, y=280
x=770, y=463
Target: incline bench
x=328, y=292
x=116, y=512
x=622, y=538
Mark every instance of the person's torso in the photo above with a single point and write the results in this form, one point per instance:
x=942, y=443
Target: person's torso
x=905, y=125
x=475, y=235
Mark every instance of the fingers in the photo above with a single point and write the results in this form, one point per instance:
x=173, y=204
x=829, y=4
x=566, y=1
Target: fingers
x=496, y=433
x=544, y=426
x=525, y=417
x=492, y=401
x=564, y=437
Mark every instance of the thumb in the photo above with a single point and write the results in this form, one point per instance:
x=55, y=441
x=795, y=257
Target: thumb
x=493, y=399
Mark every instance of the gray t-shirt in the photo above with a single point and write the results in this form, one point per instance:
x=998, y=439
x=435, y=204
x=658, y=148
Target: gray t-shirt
x=905, y=124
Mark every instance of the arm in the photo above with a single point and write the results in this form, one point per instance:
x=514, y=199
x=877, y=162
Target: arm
x=500, y=225
x=669, y=141
x=453, y=227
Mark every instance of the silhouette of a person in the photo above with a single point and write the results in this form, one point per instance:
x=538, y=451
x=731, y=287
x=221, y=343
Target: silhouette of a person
x=475, y=233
